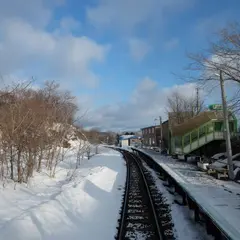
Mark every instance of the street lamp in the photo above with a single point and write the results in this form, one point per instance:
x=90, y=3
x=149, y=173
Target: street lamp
x=226, y=127
x=155, y=131
x=161, y=131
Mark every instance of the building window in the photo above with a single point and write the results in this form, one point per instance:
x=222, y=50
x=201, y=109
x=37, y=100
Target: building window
x=209, y=128
x=152, y=130
x=218, y=126
x=194, y=135
x=178, y=142
x=186, y=139
x=231, y=126
x=201, y=131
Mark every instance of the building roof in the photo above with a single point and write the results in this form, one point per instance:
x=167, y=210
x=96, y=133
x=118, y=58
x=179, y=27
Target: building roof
x=174, y=117
x=148, y=127
x=125, y=137
x=195, y=122
x=155, y=126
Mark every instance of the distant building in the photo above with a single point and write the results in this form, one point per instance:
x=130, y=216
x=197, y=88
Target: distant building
x=129, y=140
x=152, y=135
x=149, y=136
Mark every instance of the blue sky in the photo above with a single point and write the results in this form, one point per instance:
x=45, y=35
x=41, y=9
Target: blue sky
x=117, y=56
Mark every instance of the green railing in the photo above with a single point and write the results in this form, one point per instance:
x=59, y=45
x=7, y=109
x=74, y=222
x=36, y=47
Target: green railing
x=205, y=129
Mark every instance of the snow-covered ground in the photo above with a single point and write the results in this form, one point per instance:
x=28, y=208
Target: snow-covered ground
x=85, y=207
x=221, y=199
x=184, y=225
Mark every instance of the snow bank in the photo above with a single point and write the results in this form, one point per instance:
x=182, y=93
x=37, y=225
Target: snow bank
x=87, y=207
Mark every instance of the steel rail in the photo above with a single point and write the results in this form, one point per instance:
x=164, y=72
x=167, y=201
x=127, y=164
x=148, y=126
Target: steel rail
x=121, y=231
x=159, y=232
x=124, y=211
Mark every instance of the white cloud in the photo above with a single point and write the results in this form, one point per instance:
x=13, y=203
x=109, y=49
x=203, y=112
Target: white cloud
x=58, y=2
x=138, y=48
x=26, y=44
x=69, y=24
x=34, y=11
x=128, y=14
x=171, y=44
x=147, y=102
x=212, y=24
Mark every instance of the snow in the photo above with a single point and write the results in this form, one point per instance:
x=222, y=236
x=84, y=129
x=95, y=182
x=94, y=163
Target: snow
x=222, y=163
x=125, y=137
x=236, y=163
x=184, y=226
x=219, y=163
x=202, y=166
x=84, y=207
x=219, y=155
x=221, y=199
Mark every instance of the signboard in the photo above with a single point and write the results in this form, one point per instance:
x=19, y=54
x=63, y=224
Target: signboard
x=215, y=107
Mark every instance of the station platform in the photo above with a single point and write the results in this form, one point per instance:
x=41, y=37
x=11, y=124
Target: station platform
x=219, y=199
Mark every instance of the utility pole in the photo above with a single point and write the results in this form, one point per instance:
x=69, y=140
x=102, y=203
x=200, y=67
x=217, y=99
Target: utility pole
x=161, y=137
x=197, y=103
x=155, y=131
x=226, y=129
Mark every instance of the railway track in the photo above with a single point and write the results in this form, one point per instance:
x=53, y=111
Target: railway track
x=144, y=213
x=214, y=227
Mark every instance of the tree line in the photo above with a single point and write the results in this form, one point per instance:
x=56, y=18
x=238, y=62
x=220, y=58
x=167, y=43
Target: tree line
x=35, y=128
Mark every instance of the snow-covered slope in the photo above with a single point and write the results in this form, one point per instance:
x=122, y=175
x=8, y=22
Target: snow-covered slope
x=86, y=207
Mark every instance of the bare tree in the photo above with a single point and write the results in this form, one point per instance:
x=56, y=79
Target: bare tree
x=35, y=126
x=223, y=54
x=182, y=107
